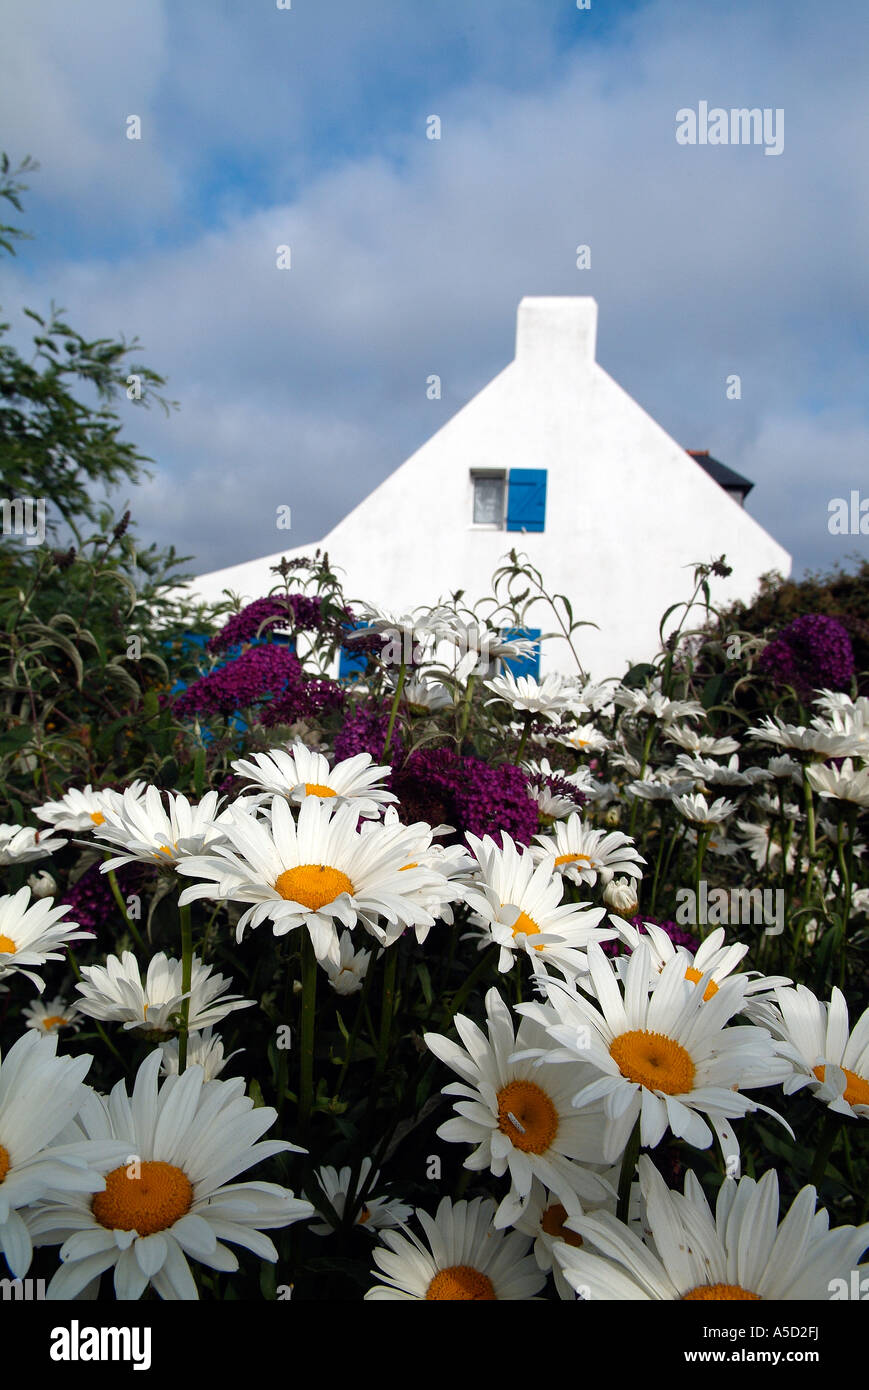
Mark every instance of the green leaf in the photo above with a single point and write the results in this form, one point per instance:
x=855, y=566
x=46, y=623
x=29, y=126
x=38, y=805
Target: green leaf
x=425, y=981
x=15, y=738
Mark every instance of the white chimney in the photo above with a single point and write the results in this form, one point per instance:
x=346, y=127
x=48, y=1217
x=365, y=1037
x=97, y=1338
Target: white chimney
x=556, y=335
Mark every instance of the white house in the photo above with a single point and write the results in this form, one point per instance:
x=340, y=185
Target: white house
x=555, y=459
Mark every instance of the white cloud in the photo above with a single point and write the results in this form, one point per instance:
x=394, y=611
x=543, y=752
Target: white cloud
x=410, y=256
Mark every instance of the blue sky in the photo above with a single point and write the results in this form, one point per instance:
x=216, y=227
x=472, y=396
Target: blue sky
x=307, y=127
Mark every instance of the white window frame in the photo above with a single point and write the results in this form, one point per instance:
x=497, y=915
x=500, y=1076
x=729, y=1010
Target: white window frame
x=494, y=473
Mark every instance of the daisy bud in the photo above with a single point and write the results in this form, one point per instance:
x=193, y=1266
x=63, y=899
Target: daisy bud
x=42, y=885
x=621, y=896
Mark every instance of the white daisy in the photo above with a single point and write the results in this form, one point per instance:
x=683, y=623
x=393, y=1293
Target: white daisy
x=149, y=833
x=663, y=1056
x=375, y=1214
x=517, y=1111
x=581, y=854
x=301, y=772
x=172, y=1196
x=696, y=808
x=762, y=846
x=827, y=1057
x=40, y=1093
x=449, y=868
x=82, y=809
x=654, y=705
x=712, y=960
x=404, y=636
x=478, y=647
x=844, y=783
x=545, y=1219
x=42, y=884
x=114, y=992
x=466, y=1259
x=520, y=908
x=620, y=896
x=204, y=1050
x=21, y=843
x=693, y=742
x=849, y=719
x=49, y=1016
x=347, y=976
x=549, y=696
x=704, y=772
x=313, y=874
x=811, y=743
x=30, y=934
x=742, y=1252
x=585, y=738
x=717, y=844
x=425, y=697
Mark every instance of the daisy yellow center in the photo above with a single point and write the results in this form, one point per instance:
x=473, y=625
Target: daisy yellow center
x=653, y=1060
x=5, y=1163
x=317, y=789
x=526, y=924
x=313, y=885
x=719, y=1293
x=364, y=1215
x=552, y=1223
x=151, y=1202
x=695, y=975
x=165, y=849
x=857, y=1089
x=527, y=1116
x=7, y=945
x=461, y=1281
x=53, y=1021
x=407, y=866
x=572, y=859
x=97, y=817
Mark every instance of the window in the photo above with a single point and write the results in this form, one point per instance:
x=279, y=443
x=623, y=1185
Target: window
x=351, y=662
x=526, y=504
x=523, y=665
x=489, y=499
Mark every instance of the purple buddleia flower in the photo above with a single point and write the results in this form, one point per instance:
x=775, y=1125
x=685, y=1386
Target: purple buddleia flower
x=438, y=785
x=257, y=675
x=813, y=652
x=298, y=612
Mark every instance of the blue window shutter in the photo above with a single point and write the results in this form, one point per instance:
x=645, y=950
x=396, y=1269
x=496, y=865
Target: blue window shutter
x=350, y=664
x=523, y=665
x=526, y=499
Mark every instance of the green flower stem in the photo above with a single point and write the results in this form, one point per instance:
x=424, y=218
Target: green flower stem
x=810, y=811
x=402, y=672
x=703, y=836
x=658, y=859
x=626, y=1176
x=529, y=715
x=306, y=1058
x=466, y=708
x=122, y=908
x=357, y=1024
x=387, y=1010
x=186, y=981
x=845, y=865
x=829, y=1133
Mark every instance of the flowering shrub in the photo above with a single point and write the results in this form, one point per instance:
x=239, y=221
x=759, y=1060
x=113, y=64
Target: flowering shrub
x=813, y=652
x=444, y=984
